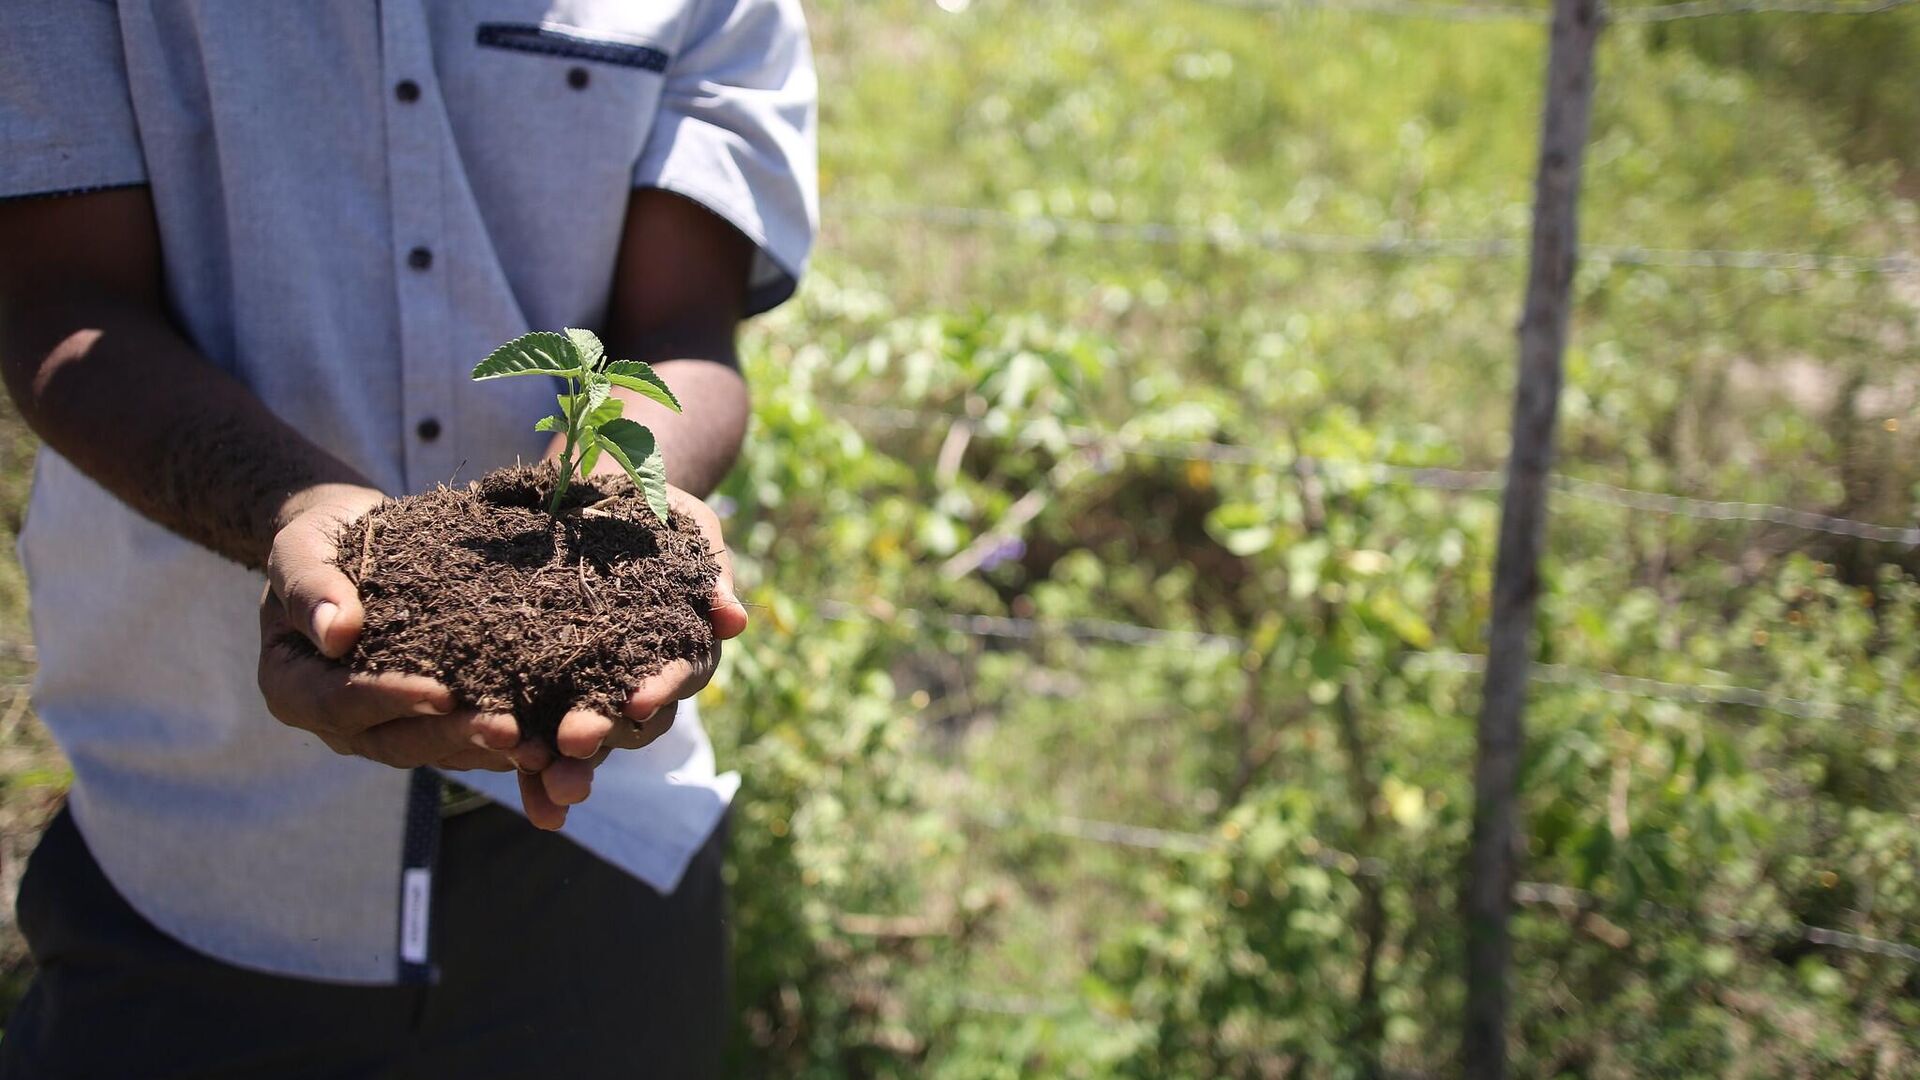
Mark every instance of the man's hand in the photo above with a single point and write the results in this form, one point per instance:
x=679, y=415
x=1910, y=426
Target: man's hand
x=398, y=720
x=586, y=738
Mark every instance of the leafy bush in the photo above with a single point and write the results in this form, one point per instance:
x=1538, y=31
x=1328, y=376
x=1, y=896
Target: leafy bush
x=930, y=881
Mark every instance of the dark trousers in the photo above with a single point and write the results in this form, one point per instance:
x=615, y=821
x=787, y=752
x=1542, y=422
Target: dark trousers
x=552, y=963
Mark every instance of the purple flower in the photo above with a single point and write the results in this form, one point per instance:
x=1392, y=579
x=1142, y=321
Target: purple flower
x=1005, y=551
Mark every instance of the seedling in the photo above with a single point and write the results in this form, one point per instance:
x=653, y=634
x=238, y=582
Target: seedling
x=589, y=413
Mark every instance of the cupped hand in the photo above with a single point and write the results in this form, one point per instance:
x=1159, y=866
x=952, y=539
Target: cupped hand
x=586, y=738
x=400, y=720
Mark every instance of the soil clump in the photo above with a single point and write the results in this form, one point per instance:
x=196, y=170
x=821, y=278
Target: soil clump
x=520, y=611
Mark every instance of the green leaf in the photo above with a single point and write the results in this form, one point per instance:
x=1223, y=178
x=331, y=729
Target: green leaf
x=653, y=483
x=551, y=423
x=600, y=416
x=595, y=394
x=600, y=406
x=539, y=353
x=587, y=346
x=635, y=375
x=1403, y=620
x=633, y=447
x=589, y=457
x=603, y=412
x=1242, y=528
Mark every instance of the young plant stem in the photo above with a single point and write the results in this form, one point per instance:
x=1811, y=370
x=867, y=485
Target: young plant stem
x=589, y=413
x=565, y=476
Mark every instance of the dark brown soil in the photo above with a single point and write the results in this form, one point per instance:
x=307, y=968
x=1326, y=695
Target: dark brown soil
x=519, y=611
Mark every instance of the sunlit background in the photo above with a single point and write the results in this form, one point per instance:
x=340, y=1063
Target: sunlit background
x=1120, y=511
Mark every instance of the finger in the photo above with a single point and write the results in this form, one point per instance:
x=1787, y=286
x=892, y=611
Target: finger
x=679, y=679
x=274, y=627
x=639, y=734
x=422, y=740
x=568, y=781
x=725, y=611
x=496, y=731
x=631, y=734
x=476, y=761
x=542, y=811
x=581, y=733
x=319, y=600
x=318, y=695
x=530, y=755
x=336, y=743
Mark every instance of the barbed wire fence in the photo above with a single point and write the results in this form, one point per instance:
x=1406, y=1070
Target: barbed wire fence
x=1441, y=478
x=1646, y=13
x=1109, y=631
x=1162, y=841
x=1229, y=234
x=1155, y=839
x=1488, y=1058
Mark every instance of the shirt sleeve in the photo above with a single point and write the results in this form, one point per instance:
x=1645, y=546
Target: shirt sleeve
x=735, y=133
x=66, y=118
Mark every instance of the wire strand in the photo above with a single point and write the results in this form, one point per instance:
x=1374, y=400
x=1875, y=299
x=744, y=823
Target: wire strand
x=1409, y=247
x=1568, y=898
x=1433, y=477
x=1019, y=629
x=1138, y=837
x=1694, y=693
x=1138, y=636
x=1652, y=13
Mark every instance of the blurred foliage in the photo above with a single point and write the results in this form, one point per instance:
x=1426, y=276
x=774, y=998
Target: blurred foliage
x=1857, y=73
x=918, y=893
x=919, y=880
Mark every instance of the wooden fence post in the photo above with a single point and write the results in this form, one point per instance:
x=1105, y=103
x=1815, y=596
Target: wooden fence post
x=1492, y=864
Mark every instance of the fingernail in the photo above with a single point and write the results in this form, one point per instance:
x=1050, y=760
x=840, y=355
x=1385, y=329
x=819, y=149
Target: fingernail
x=479, y=740
x=428, y=708
x=323, y=615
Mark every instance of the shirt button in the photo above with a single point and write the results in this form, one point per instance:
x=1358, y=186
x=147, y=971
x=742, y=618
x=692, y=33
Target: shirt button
x=420, y=258
x=428, y=429
x=407, y=90
x=577, y=78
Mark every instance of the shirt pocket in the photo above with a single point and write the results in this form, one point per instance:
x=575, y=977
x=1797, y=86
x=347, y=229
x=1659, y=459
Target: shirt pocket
x=548, y=101
x=550, y=119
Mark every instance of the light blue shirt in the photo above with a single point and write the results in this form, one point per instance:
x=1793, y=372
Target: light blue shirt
x=356, y=201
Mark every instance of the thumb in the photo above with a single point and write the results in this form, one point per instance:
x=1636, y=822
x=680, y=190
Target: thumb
x=724, y=609
x=321, y=602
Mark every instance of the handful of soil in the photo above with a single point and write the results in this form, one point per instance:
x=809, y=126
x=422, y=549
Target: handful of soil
x=520, y=611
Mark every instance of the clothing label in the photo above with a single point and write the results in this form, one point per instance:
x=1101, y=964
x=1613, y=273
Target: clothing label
x=416, y=893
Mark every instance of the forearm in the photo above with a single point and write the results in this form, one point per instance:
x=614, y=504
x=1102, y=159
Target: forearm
x=701, y=442
x=112, y=386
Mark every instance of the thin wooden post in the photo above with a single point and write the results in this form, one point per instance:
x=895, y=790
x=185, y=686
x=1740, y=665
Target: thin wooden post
x=1493, y=863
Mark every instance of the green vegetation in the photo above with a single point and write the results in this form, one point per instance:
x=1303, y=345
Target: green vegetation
x=926, y=883
x=589, y=414
x=1007, y=420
